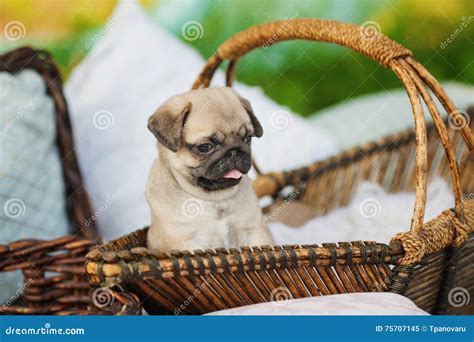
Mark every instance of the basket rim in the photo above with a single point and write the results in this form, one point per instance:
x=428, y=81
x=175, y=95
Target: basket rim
x=111, y=263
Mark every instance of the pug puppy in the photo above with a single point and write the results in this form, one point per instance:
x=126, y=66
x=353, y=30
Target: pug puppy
x=198, y=191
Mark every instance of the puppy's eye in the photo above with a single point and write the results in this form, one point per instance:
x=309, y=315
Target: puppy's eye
x=248, y=139
x=205, y=148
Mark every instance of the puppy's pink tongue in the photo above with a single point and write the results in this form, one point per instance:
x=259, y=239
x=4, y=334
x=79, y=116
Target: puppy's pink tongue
x=236, y=174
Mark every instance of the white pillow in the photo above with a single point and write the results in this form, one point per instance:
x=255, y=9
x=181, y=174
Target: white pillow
x=132, y=69
x=341, y=304
x=373, y=214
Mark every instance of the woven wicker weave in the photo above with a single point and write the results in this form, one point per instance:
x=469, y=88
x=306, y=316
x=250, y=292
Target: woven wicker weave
x=424, y=264
x=54, y=279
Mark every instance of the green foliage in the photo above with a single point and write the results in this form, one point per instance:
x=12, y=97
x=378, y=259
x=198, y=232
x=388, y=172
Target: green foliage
x=307, y=76
x=302, y=75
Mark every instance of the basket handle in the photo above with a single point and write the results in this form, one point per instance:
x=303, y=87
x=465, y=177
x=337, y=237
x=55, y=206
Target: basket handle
x=379, y=48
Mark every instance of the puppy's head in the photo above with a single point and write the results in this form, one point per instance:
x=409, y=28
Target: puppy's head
x=206, y=135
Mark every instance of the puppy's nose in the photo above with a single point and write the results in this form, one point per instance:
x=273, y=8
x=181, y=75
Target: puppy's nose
x=234, y=153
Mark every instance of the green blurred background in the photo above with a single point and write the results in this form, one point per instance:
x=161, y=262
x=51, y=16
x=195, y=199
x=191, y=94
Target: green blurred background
x=287, y=72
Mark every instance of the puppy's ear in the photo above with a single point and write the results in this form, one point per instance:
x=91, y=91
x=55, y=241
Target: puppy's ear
x=257, y=127
x=167, y=123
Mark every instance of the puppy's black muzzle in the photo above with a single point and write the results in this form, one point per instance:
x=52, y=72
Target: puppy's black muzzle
x=234, y=158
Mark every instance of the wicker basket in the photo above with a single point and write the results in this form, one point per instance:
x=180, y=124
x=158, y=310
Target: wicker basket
x=425, y=264
x=54, y=279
